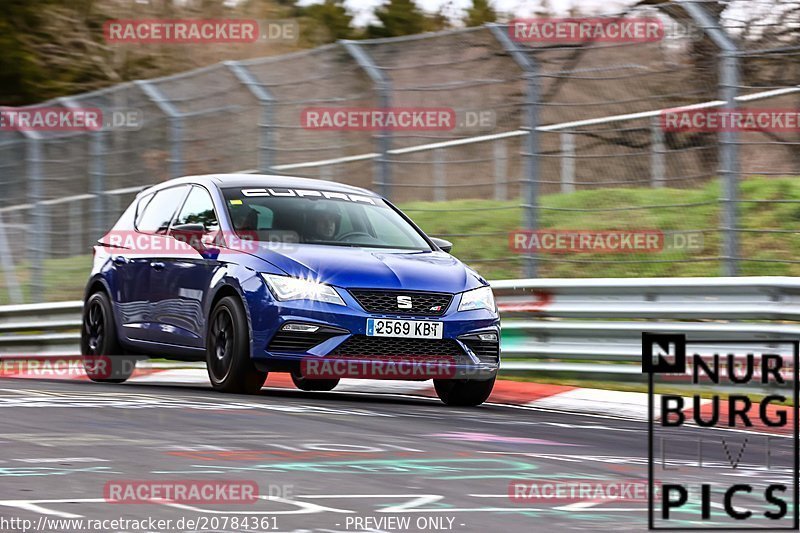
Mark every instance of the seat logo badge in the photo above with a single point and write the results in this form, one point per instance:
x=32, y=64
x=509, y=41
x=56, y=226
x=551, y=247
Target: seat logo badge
x=404, y=302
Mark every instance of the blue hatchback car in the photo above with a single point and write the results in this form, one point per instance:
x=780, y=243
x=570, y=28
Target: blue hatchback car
x=255, y=274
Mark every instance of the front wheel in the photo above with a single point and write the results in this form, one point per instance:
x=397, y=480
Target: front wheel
x=465, y=392
x=103, y=358
x=228, y=352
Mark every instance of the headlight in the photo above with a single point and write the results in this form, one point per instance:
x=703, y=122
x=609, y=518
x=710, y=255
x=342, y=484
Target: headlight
x=287, y=288
x=481, y=298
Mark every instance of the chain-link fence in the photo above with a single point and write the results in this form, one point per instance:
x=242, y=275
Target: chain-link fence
x=547, y=136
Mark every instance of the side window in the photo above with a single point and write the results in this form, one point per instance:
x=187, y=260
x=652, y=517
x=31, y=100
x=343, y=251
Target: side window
x=198, y=209
x=140, y=207
x=158, y=212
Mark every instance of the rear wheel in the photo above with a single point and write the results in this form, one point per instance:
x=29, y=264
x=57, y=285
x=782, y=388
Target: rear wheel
x=319, y=385
x=464, y=392
x=103, y=358
x=228, y=352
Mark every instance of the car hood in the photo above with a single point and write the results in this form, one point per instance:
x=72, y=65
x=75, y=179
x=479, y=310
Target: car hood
x=350, y=267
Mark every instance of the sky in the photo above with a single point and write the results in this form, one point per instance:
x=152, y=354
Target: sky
x=362, y=9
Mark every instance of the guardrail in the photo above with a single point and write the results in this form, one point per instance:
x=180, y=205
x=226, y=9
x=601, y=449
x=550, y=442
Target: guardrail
x=594, y=326
x=40, y=329
x=550, y=325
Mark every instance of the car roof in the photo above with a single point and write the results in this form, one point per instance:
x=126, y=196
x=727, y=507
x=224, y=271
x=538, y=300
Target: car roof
x=262, y=180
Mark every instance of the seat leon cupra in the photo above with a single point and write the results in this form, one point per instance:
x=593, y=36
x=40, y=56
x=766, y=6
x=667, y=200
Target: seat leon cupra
x=255, y=274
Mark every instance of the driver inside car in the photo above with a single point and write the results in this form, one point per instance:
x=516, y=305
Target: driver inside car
x=324, y=224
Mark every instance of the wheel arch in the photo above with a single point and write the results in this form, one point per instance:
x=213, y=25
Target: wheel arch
x=224, y=290
x=95, y=284
x=98, y=283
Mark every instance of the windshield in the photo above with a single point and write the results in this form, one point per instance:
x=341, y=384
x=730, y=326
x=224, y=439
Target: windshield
x=319, y=217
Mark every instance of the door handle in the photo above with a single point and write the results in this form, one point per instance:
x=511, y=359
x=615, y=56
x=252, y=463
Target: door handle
x=120, y=260
x=157, y=265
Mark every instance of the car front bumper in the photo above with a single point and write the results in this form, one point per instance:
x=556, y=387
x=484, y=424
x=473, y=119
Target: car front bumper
x=467, y=356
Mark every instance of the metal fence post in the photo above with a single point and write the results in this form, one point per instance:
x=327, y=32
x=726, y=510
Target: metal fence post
x=729, y=166
x=97, y=171
x=175, y=125
x=7, y=263
x=75, y=239
x=97, y=175
x=657, y=150
x=383, y=174
x=530, y=201
x=439, y=169
x=266, y=101
x=567, y=162
x=500, y=170
x=728, y=140
x=176, y=145
x=38, y=220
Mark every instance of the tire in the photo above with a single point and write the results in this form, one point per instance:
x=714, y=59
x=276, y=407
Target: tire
x=467, y=393
x=317, y=385
x=228, y=350
x=104, y=359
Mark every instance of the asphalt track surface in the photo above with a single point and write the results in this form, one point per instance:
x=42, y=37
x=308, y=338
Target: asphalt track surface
x=336, y=461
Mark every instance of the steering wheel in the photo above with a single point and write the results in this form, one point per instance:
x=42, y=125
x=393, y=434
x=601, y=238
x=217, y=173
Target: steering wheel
x=354, y=234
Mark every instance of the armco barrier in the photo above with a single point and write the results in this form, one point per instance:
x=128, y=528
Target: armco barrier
x=561, y=325
x=595, y=325
x=40, y=329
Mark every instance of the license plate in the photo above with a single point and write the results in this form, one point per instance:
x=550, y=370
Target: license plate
x=410, y=329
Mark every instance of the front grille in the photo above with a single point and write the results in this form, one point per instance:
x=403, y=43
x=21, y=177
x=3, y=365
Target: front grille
x=422, y=303
x=293, y=341
x=486, y=351
x=361, y=345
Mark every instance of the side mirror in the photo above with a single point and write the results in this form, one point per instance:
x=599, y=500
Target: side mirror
x=446, y=246
x=191, y=234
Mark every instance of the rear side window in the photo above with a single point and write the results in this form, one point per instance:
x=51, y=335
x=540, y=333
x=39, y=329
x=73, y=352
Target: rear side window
x=140, y=207
x=158, y=212
x=198, y=209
